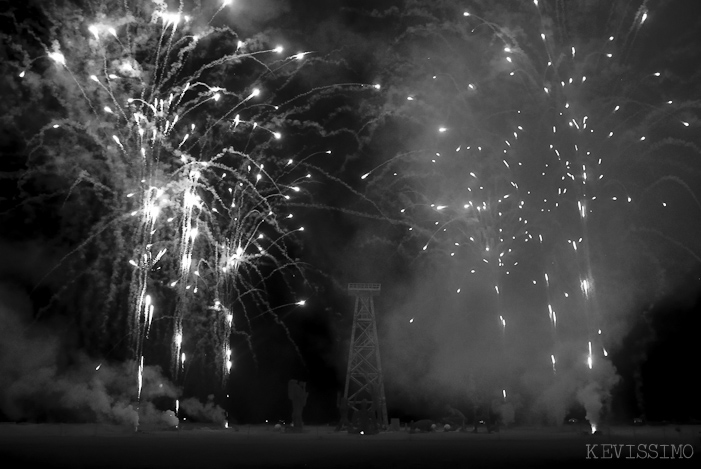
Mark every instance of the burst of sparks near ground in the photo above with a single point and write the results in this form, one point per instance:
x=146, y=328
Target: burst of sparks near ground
x=480, y=182
x=561, y=69
x=153, y=124
x=203, y=210
x=477, y=219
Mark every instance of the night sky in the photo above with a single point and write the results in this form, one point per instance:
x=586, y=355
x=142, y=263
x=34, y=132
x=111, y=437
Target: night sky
x=522, y=177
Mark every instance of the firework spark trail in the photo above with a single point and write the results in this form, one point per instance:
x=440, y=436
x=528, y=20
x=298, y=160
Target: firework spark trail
x=552, y=72
x=159, y=127
x=478, y=218
x=590, y=136
x=214, y=219
x=223, y=326
x=552, y=315
x=191, y=203
x=575, y=164
x=140, y=376
x=482, y=216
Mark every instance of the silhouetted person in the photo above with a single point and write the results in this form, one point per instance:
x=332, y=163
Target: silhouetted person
x=297, y=392
x=342, y=404
x=375, y=408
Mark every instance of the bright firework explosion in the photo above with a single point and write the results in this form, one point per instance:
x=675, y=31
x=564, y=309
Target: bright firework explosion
x=596, y=115
x=565, y=109
x=454, y=179
x=180, y=150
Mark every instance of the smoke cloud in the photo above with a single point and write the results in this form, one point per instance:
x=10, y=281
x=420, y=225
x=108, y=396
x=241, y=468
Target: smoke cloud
x=442, y=347
x=207, y=412
x=43, y=380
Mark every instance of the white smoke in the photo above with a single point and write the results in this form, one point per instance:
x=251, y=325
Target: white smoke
x=505, y=410
x=208, y=412
x=596, y=394
x=42, y=380
x=591, y=397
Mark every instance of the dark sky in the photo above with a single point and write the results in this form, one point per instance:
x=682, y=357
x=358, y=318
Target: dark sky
x=644, y=255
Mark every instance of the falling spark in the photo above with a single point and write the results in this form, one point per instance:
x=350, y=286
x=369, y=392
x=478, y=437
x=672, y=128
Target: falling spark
x=589, y=359
x=140, y=377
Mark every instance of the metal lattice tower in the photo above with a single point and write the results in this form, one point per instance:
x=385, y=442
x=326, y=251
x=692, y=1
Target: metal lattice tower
x=364, y=376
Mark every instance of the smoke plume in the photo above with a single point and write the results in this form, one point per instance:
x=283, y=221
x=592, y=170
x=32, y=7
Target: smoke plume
x=207, y=412
x=41, y=379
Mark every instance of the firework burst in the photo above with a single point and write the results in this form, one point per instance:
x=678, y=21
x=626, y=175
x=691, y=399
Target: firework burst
x=193, y=194
x=526, y=123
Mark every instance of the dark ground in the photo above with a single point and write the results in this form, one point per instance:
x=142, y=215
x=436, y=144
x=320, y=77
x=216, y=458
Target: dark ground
x=102, y=446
